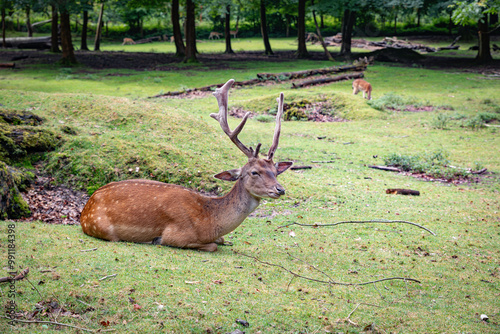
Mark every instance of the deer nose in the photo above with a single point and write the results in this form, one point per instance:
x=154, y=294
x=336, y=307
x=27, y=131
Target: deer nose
x=280, y=190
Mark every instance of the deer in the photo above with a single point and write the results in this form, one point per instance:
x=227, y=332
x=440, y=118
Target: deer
x=147, y=211
x=215, y=34
x=234, y=32
x=128, y=41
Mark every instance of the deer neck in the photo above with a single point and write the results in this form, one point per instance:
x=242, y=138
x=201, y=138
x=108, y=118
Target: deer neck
x=231, y=210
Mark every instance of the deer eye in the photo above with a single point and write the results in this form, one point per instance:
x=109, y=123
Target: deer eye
x=255, y=173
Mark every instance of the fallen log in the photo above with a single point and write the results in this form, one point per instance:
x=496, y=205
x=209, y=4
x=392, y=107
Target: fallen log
x=7, y=65
x=403, y=192
x=308, y=73
x=300, y=167
x=327, y=80
x=208, y=88
x=449, y=47
x=386, y=168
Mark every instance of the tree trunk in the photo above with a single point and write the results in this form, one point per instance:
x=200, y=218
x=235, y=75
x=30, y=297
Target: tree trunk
x=347, y=27
x=54, y=31
x=190, y=56
x=3, y=27
x=484, y=53
x=180, y=50
x=395, y=23
x=287, y=18
x=97, y=41
x=28, y=22
x=83, y=45
x=227, y=30
x=301, y=30
x=68, y=53
x=327, y=53
x=263, y=28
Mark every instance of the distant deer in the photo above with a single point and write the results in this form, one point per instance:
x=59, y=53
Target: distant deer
x=128, y=41
x=234, y=33
x=215, y=34
x=365, y=87
x=166, y=214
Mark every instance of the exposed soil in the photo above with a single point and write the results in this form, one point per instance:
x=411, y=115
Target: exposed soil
x=54, y=204
x=142, y=61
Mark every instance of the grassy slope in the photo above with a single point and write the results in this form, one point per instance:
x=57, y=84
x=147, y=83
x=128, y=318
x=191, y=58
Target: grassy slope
x=459, y=268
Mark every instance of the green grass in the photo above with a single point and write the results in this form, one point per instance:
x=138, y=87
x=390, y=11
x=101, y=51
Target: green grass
x=173, y=140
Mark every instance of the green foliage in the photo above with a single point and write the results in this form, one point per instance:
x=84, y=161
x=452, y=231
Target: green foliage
x=434, y=164
x=441, y=121
x=392, y=101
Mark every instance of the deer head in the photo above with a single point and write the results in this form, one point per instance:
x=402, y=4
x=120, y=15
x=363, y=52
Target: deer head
x=259, y=174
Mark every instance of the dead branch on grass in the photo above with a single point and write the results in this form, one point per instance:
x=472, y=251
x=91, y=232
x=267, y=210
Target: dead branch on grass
x=329, y=281
x=18, y=277
x=360, y=222
x=55, y=323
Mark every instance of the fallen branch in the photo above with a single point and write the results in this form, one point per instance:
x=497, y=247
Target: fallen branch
x=88, y=250
x=387, y=168
x=55, y=323
x=7, y=65
x=106, y=277
x=18, y=277
x=329, y=282
x=403, y=192
x=327, y=80
x=308, y=73
x=360, y=222
x=300, y=167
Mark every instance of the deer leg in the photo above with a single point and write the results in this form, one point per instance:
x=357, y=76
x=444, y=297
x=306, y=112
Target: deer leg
x=211, y=247
x=222, y=242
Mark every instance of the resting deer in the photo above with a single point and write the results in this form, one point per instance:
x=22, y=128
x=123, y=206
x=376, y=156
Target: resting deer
x=215, y=34
x=166, y=214
x=360, y=84
x=234, y=33
x=128, y=41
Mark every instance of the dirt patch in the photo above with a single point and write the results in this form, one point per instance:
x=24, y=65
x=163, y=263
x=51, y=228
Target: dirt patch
x=54, y=204
x=142, y=61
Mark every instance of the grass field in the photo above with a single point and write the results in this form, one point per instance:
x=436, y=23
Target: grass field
x=161, y=289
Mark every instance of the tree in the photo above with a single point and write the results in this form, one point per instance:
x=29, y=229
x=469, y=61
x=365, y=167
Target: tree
x=83, y=45
x=54, y=29
x=263, y=28
x=180, y=50
x=97, y=41
x=227, y=30
x=68, y=52
x=301, y=30
x=327, y=53
x=478, y=11
x=348, y=21
x=190, y=56
x=4, y=7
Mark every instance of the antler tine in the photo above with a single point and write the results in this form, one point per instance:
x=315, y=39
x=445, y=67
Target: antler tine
x=222, y=96
x=277, y=129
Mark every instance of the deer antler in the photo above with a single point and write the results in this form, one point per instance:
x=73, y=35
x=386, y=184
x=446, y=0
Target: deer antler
x=277, y=129
x=221, y=94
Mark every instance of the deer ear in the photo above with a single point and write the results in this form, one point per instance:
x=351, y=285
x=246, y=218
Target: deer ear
x=229, y=175
x=283, y=166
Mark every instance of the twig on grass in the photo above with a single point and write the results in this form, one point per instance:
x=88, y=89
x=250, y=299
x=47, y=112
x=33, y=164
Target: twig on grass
x=323, y=281
x=88, y=250
x=106, y=277
x=18, y=277
x=353, y=311
x=360, y=222
x=55, y=323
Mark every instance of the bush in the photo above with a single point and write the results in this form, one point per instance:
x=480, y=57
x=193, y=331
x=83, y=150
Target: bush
x=392, y=101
